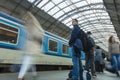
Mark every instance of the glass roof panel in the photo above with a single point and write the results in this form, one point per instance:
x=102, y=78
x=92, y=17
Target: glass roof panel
x=68, y=20
x=62, y=5
x=67, y=9
x=58, y=14
x=54, y=10
x=81, y=4
x=57, y=1
x=95, y=28
x=94, y=1
x=74, y=1
x=100, y=11
x=48, y=6
x=96, y=23
x=42, y=3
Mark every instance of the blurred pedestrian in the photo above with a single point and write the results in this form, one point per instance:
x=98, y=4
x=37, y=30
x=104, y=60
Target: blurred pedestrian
x=33, y=44
x=114, y=54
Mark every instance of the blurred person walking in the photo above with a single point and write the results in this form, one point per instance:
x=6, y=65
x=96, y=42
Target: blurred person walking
x=114, y=54
x=33, y=44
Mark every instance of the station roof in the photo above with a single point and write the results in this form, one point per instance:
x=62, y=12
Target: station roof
x=55, y=16
x=91, y=14
x=113, y=8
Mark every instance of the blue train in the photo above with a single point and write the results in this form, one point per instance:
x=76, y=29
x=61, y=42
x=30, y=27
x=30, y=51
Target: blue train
x=13, y=37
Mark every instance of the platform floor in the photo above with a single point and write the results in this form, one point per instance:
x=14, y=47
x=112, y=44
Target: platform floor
x=55, y=75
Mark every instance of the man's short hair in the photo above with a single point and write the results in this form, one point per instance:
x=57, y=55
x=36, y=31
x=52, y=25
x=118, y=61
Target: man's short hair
x=75, y=20
x=97, y=47
x=89, y=32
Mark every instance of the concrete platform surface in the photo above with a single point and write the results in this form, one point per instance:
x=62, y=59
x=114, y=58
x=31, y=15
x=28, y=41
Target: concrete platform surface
x=55, y=75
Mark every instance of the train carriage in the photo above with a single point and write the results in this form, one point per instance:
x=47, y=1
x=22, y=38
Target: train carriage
x=54, y=50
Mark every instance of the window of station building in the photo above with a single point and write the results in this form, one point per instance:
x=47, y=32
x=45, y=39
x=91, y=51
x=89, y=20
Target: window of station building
x=8, y=34
x=53, y=46
x=65, y=49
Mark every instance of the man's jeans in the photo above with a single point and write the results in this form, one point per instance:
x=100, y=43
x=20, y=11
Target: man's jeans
x=89, y=58
x=77, y=71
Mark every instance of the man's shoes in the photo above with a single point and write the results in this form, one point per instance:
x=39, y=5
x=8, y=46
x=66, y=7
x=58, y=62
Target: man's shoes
x=117, y=74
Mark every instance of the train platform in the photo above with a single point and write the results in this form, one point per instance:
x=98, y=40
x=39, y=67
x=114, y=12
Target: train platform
x=56, y=75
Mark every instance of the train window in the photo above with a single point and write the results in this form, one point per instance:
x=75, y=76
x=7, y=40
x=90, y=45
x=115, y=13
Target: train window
x=52, y=46
x=65, y=49
x=8, y=34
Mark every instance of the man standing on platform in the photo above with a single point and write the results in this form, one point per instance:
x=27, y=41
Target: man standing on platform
x=89, y=57
x=76, y=45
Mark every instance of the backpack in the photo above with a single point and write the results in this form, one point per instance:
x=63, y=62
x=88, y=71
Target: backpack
x=86, y=42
